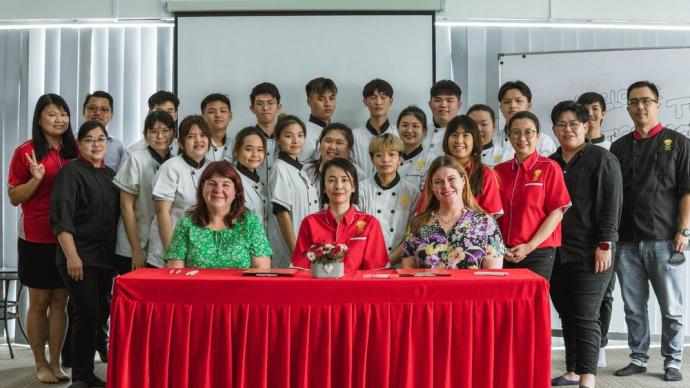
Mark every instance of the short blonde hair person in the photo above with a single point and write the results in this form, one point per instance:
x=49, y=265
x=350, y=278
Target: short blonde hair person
x=385, y=142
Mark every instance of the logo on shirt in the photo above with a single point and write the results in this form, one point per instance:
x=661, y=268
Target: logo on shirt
x=360, y=225
x=537, y=174
x=405, y=200
x=667, y=144
x=420, y=165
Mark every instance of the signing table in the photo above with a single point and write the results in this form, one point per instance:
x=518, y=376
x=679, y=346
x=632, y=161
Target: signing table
x=218, y=328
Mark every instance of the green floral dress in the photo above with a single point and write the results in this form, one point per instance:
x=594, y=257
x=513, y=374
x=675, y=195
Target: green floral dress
x=202, y=247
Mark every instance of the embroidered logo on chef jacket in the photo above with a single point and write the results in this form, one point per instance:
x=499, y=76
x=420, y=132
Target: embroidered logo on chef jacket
x=667, y=144
x=497, y=158
x=420, y=164
x=537, y=174
x=405, y=199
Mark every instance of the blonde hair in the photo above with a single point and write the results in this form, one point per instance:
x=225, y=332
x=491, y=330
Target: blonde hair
x=431, y=203
x=385, y=142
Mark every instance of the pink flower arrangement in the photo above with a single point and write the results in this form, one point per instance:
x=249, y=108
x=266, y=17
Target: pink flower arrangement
x=327, y=253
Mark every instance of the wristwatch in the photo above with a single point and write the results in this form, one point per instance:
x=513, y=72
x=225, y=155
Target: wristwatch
x=684, y=231
x=604, y=246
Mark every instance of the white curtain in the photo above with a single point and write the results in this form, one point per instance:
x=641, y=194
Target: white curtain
x=130, y=63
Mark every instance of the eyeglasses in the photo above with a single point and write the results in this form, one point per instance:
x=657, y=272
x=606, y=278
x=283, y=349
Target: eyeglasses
x=159, y=132
x=96, y=108
x=573, y=125
x=91, y=140
x=645, y=101
x=528, y=134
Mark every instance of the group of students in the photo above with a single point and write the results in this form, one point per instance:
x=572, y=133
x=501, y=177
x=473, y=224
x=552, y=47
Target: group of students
x=452, y=194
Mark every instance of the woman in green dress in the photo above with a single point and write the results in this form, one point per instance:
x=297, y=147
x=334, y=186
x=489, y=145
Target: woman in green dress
x=219, y=232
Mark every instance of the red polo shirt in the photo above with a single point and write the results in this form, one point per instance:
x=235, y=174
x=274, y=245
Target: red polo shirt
x=489, y=199
x=530, y=191
x=34, y=223
x=361, y=232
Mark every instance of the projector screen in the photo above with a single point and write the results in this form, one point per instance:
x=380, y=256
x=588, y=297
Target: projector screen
x=231, y=53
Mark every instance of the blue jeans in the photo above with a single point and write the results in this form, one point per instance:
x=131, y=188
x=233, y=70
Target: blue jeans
x=639, y=264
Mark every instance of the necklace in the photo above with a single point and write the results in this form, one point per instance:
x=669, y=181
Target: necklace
x=450, y=219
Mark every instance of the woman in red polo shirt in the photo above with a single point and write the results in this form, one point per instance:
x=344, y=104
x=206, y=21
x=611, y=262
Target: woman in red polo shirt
x=534, y=196
x=462, y=140
x=32, y=171
x=341, y=223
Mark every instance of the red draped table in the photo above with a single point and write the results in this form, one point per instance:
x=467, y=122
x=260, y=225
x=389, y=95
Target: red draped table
x=220, y=329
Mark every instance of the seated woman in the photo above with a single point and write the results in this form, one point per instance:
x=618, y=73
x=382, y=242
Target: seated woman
x=219, y=231
x=452, y=231
x=341, y=223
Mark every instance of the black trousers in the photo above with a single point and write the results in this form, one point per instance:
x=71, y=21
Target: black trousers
x=88, y=299
x=540, y=261
x=577, y=292
x=606, y=309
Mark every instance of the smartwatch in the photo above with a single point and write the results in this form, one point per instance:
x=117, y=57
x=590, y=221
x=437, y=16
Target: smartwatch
x=604, y=246
x=684, y=231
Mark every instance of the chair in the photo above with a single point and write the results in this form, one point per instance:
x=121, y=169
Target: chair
x=10, y=307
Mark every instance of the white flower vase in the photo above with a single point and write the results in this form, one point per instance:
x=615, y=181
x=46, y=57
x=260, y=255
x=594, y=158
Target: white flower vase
x=328, y=270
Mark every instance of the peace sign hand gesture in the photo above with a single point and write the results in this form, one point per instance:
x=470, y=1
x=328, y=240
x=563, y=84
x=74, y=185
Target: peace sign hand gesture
x=38, y=170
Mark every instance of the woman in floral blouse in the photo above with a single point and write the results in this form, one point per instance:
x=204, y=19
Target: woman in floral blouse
x=452, y=231
x=219, y=232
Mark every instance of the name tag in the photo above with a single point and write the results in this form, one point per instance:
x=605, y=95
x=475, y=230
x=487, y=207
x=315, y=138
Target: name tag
x=534, y=184
x=357, y=238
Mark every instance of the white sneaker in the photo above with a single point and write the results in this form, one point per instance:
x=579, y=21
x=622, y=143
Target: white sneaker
x=601, y=363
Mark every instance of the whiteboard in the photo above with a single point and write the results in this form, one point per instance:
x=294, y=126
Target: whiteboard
x=554, y=77
x=231, y=53
x=558, y=76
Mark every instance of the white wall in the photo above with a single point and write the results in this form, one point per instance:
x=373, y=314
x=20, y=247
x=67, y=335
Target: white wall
x=81, y=9
x=674, y=11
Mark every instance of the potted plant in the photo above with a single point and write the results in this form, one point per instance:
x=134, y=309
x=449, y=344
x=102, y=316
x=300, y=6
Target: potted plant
x=327, y=260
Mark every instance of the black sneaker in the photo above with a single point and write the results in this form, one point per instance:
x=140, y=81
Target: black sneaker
x=672, y=374
x=94, y=381
x=631, y=369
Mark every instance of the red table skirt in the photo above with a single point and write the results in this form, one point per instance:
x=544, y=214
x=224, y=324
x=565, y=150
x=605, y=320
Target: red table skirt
x=219, y=329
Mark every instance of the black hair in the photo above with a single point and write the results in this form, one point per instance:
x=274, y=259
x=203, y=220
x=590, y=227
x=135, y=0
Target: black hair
x=415, y=111
x=215, y=97
x=591, y=98
x=482, y=108
x=320, y=85
x=38, y=138
x=345, y=130
x=349, y=169
x=476, y=172
x=161, y=97
x=87, y=127
x=99, y=94
x=186, y=127
x=642, y=84
x=524, y=114
x=285, y=120
x=158, y=116
x=264, y=88
x=446, y=87
x=243, y=134
x=382, y=86
x=519, y=85
x=578, y=110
